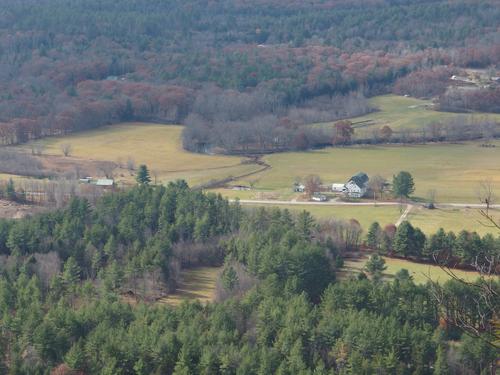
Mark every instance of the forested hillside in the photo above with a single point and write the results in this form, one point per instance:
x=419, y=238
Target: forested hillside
x=64, y=275
x=240, y=74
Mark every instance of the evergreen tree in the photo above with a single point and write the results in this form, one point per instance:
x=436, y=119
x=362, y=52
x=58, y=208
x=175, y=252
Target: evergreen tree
x=375, y=266
x=441, y=365
x=71, y=273
x=305, y=224
x=229, y=278
x=143, y=177
x=374, y=236
x=403, y=185
x=10, y=190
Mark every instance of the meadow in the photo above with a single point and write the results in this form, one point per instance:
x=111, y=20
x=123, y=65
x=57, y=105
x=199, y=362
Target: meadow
x=196, y=284
x=405, y=113
x=157, y=146
x=452, y=219
x=420, y=272
x=365, y=215
x=454, y=171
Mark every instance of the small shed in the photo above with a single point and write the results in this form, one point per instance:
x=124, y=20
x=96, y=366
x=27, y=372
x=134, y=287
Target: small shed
x=338, y=188
x=105, y=182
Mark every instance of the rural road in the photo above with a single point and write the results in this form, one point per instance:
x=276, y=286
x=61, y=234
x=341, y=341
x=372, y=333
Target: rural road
x=337, y=203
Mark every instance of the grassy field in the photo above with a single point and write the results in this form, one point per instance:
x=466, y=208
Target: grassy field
x=196, y=284
x=157, y=146
x=420, y=272
x=453, y=170
x=453, y=219
x=400, y=112
x=366, y=215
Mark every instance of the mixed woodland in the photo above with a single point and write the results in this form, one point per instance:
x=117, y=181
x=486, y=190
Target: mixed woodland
x=241, y=75
x=80, y=286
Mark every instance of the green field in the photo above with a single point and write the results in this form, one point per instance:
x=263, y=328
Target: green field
x=196, y=284
x=401, y=112
x=453, y=219
x=453, y=170
x=420, y=272
x=157, y=146
x=366, y=215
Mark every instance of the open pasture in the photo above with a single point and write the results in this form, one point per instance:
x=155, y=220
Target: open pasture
x=420, y=272
x=157, y=146
x=405, y=113
x=454, y=171
x=365, y=215
x=453, y=219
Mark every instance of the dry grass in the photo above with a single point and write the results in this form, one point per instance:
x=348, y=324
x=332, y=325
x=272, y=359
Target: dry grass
x=196, y=284
x=157, y=146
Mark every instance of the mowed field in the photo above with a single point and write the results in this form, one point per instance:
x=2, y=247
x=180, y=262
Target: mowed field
x=401, y=112
x=365, y=215
x=420, y=272
x=157, y=146
x=453, y=219
x=454, y=171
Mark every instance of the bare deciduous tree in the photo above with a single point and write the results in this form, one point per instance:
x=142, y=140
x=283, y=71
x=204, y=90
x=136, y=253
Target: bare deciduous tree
x=480, y=314
x=312, y=184
x=130, y=163
x=376, y=185
x=66, y=149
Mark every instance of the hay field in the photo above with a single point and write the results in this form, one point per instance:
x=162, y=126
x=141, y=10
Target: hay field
x=420, y=272
x=453, y=170
x=157, y=146
x=401, y=112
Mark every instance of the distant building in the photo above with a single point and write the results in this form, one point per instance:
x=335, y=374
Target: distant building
x=105, y=182
x=319, y=197
x=240, y=187
x=339, y=188
x=356, y=187
x=299, y=188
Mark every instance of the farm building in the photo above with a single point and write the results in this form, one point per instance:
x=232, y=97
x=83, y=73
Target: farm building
x=105, y=182
x=338, y=188
x=319, y=197
x=356, y=187
x=299, y=188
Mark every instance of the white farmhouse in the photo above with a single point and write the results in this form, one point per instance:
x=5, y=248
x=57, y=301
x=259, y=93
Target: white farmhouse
x=356, y=187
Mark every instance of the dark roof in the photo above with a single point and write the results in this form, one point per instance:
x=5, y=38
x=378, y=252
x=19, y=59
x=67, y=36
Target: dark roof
x=360, y=179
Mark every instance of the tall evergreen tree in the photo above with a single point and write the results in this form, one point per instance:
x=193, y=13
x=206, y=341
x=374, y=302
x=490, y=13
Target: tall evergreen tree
x=403, y=185
x=143, y=177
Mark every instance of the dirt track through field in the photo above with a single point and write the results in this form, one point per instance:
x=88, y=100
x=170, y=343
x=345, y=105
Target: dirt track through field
x=404, y=215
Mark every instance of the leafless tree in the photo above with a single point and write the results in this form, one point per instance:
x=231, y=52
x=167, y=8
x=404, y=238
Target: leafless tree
x=481, y=314
x=130, y=163
x=486, y=195
x=376, y=185
x=431, y=197
x=37, y=149
x=66, y=149
x=107, y=169
x=312, y=184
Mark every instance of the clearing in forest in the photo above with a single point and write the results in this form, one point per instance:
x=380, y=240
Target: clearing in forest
x=195, y=284
x=420, y=272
